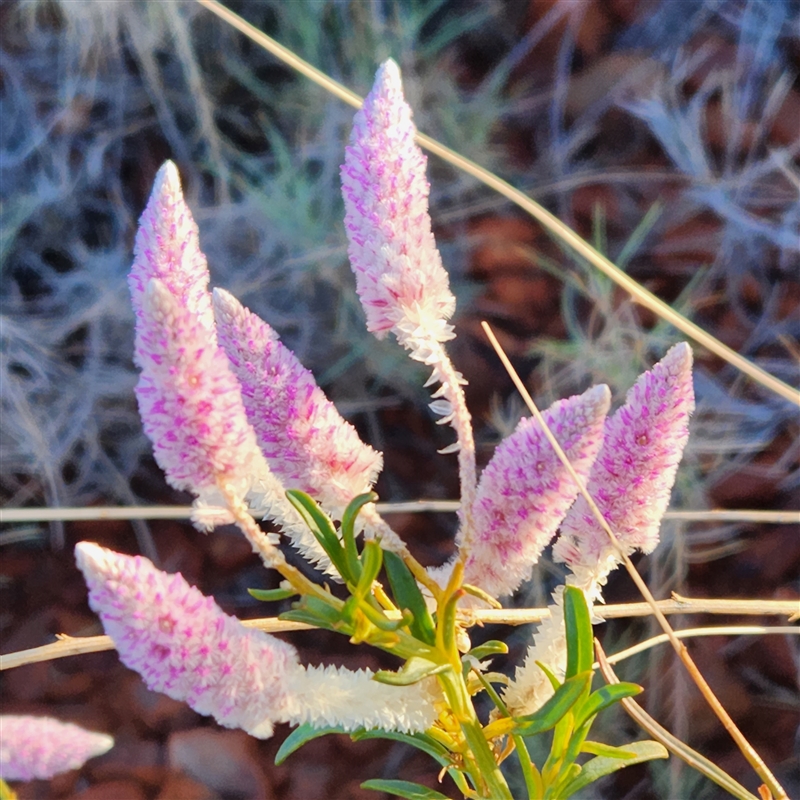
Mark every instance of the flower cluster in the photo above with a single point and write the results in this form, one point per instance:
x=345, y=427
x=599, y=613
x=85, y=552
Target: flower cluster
x=41, y=747
x=237, y=420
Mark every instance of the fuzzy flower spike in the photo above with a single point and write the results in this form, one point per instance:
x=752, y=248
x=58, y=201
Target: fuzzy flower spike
x=306, y=442
x=184, y=645
x=399, y=274
x=525, y=490
x=189, y=399
x=630, y=480
x=40, y=748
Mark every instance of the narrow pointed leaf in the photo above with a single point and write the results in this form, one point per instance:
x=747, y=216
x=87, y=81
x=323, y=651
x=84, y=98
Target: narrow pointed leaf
x=348, y=531
x=371, y=563
x=604, y=697
x=606, y=750
x=491, y=648
x=599, y=767
x=554, y=710
x=270, y=595
x=322, y=528
x=407, y=595
x=413, y=671
x=404, y=789
x=578, y=623
x=299, y=736
x=419, y=740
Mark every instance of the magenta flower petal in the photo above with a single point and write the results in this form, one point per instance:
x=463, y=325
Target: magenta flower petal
x=525, y=490
x=306, y=442
x=182, y=644
x=399, y=273
x=633, y=475
x=34, y=748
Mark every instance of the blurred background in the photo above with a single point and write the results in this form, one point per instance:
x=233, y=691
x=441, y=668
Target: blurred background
x=666, y=132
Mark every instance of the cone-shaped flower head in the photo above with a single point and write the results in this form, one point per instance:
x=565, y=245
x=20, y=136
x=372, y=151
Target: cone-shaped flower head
x=34, y=748
x=168, y=248
x=184, y=645
x=306, y=442
x=399, y=274
x=525, y=490
x=633, y=475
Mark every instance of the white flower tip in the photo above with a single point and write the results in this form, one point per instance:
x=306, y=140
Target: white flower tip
x=388, y=75
x=167, y=181
x=679, y=357
x=102, y=743
x=91, y=558
x=598, y=398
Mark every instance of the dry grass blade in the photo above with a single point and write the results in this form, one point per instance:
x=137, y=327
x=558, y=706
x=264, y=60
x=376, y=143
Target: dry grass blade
x=753, y=758
x=692, y=633
x=582, y=248
x=95, y=513
x=672, y=743
x=77, y=645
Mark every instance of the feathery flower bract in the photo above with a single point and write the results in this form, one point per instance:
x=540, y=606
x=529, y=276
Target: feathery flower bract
x=525, y=490
x=331, y=695
x=305, y=440
x=184, y=645
x=634, y=472
x=34, y=748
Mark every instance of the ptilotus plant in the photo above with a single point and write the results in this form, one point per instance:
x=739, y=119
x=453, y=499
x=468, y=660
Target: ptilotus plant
x=237, y=420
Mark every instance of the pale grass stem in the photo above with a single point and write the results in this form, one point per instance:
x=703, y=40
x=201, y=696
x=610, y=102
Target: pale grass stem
x=672, y=743
x=98, y=513
x=77, y=645
x=747, y=749
x=582, y=248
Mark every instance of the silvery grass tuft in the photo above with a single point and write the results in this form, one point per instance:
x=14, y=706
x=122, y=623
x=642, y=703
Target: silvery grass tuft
x=238, y=421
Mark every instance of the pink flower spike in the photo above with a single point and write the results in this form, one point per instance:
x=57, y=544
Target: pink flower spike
x=183, y=645
x=168, y=248
x=34, y=748
x=399, y=274
x=190, y=401
x=525, y=490
x=633, y=475
x=306, y=442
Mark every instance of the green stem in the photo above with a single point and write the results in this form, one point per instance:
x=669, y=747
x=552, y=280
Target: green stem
x=481, y=765
x=533, y=781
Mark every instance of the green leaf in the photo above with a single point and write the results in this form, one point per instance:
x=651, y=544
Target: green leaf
x=321, y=526
x=578, y=623
x=316, y=612
x=549, y=715
x=490, y=648
x=299, y=736
x=413, y=671
x=554, y=682
x=348, y=531
x=421, y=741
x=604, y=697
x=606, y=750
x=601, y=766
x=404, y=789
x=371, y=563
x=269, y=595
x=407, y=595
